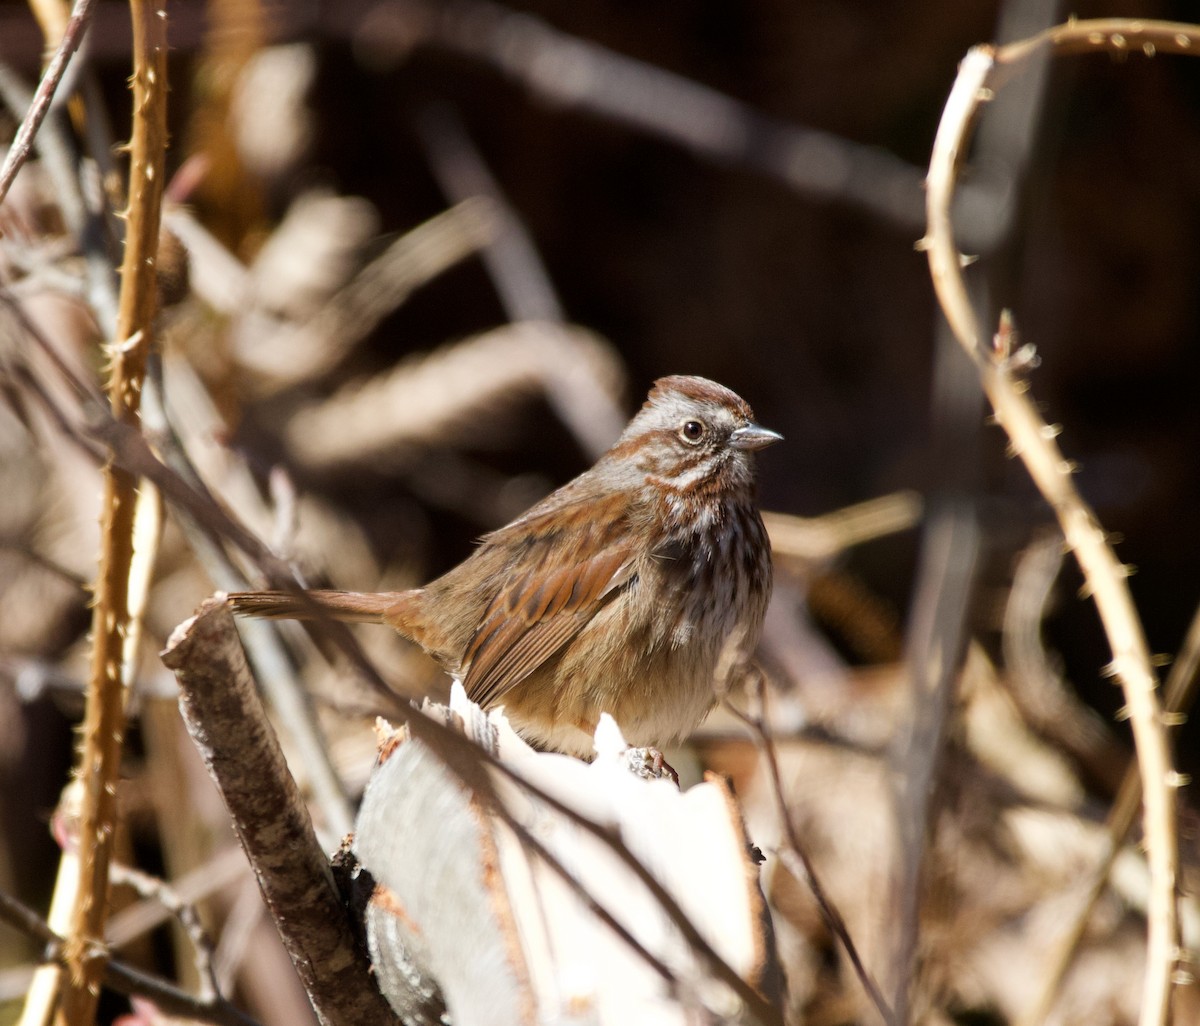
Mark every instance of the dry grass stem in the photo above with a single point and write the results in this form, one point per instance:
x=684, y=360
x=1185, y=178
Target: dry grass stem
x=1033, y=440
x=300, y=352
x=180, y=433
x=933, y=655
x=820, y=539
x=437, y=401
x=796, y=858
x=511, y=258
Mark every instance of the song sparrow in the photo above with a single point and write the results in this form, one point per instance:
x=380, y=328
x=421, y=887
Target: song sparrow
x=617, y=593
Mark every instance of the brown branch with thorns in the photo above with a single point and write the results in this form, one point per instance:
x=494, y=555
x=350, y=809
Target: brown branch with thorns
x=114, y=617
x=984, y=70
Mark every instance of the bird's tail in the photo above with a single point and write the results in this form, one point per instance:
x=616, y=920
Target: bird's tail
x=348, y=606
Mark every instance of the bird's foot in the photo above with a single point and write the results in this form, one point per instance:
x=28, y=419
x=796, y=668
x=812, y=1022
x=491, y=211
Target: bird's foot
x=649, y=764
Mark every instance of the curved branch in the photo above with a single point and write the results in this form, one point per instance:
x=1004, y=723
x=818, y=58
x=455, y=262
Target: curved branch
x=983, y=71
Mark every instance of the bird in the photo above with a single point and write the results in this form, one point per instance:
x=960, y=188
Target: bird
x=620, y=592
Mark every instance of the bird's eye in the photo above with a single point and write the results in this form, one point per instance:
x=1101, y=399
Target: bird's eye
x=692, y=431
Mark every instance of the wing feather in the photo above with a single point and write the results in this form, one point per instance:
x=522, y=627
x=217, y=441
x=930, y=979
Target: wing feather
x=528, y=622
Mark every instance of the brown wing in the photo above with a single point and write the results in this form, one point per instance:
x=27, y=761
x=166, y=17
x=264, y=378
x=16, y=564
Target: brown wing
x=567, y=584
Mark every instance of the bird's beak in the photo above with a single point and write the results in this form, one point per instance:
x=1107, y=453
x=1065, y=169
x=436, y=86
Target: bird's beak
x=753, y=437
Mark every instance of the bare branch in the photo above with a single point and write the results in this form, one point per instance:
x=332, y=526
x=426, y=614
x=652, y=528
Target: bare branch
x=22, y=145
x=228, y=724
x=512, y=260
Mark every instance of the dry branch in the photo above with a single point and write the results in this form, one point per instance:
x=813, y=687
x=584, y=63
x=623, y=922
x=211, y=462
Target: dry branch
x=21, y=146
x=511, y=258
x=982, y=71
x=437, y=400
x=298, y=353
x=580, y=75
x=103, y=726
x=230, y=728
x=820, y=539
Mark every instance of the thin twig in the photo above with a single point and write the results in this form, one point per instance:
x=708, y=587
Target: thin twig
x=511, y=258
x=981, y=72
x=124, y=978
x=796, y=857
x=223, y=869
x=85, y=226
x=580, y=75
x=152, y=887
x=1046, y=703
x=22, y=144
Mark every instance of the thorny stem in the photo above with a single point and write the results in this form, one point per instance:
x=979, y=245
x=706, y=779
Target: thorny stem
x=981, y=73
x=103, y=726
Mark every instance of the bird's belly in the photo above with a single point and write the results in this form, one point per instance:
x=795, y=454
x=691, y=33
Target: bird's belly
x=649, y=658
x=656, y=695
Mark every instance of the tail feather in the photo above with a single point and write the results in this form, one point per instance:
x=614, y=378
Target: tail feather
x=348, y=606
